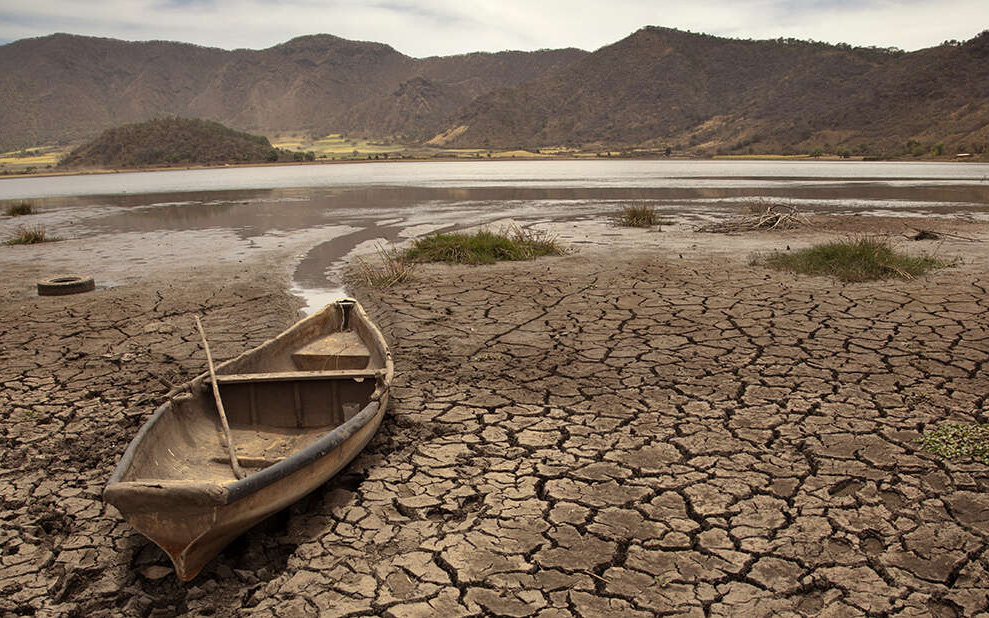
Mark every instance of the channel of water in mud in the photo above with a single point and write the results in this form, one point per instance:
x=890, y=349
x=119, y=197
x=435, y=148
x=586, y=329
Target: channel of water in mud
x=328, y=213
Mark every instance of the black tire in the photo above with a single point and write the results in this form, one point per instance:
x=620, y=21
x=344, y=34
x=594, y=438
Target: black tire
x=65, y=284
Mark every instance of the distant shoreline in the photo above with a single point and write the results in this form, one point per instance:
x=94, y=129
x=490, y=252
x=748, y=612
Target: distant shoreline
x=183, y=168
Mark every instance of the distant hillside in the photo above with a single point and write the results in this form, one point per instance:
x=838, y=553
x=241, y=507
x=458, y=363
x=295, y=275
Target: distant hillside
x=657, y=88
x=67, y=88
x=169, y=141
x=663, y=87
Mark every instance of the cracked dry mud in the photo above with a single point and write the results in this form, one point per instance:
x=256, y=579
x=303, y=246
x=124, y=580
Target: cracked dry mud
x=592, y=435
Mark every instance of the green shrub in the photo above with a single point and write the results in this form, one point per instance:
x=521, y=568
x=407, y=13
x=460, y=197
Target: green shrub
x=20, y=208
x=856, y=259
x=957, y=441
x=915, y=148
x=484, y=247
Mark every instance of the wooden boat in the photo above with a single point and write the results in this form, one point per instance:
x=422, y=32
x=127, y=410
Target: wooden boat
x=300, y=407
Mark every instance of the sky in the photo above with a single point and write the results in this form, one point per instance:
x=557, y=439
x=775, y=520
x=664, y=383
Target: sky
x=443, y=27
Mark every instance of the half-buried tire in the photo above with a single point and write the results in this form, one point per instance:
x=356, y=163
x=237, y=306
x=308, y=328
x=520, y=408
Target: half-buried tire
x=65, y=284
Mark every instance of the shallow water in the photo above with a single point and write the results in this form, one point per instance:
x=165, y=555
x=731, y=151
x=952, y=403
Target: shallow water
x=582, y=174
x=333, y=211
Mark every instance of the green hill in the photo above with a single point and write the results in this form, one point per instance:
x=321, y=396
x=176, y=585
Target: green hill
x=170, y=141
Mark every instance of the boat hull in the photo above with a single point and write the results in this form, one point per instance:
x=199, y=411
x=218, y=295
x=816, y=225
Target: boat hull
x=193, y=519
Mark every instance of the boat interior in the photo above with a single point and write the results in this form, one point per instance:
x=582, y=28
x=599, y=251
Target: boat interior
x=278, y=399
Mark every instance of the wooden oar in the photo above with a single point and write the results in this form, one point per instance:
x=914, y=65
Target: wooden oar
x=238, y=472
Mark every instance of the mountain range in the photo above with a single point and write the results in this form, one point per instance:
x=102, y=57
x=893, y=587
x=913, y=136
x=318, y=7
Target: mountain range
x=67, y=88
x=663, y=87
x=656, y=88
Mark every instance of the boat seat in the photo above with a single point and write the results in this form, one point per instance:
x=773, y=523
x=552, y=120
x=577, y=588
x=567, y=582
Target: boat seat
x=340, y=350
x=287, y=376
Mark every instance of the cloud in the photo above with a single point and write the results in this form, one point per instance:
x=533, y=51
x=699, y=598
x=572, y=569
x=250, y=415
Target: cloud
x=908, y=24
x=442, y=27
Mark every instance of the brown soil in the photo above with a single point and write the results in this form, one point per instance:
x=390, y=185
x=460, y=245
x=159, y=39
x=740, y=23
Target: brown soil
x=623, y=433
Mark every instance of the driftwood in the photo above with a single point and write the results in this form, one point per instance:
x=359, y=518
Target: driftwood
x=922, y=234
x=769, y=217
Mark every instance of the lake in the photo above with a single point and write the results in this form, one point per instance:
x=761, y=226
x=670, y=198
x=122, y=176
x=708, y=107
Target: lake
x=332, y=211
x=570, y=173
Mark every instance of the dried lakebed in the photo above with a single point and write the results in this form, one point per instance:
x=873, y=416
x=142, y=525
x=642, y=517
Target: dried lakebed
x=592, y=435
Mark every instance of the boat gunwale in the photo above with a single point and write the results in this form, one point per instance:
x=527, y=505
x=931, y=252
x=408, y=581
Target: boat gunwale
x=255, y=481
x=302, y=458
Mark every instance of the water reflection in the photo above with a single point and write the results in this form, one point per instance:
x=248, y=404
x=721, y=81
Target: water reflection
x=260, y=212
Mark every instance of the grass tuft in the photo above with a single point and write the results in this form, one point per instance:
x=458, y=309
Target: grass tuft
x=854, y=259
x=957, y=441
x=20, y=208
x=30, y=236
x=484, y=246
x=391, y=268
x=639, y=215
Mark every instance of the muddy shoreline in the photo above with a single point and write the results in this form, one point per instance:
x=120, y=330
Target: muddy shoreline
x=605, y=433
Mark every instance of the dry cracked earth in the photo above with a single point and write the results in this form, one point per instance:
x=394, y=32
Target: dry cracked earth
x=592, y=435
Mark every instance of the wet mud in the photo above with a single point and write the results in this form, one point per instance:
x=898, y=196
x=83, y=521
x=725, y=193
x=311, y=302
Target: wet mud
x=608, y=433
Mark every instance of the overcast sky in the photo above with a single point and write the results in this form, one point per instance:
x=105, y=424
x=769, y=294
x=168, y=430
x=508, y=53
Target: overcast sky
x=442, y=27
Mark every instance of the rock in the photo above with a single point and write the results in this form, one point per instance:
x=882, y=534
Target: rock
x=156, y=572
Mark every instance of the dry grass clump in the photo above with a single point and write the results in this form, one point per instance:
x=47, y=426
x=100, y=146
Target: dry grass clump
x=761, y=217
x=867, y=258
x=391, y=268
x=18, y=209
x=639, y=215
x=957, y=441
x=29, y=236
x=484, y=246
